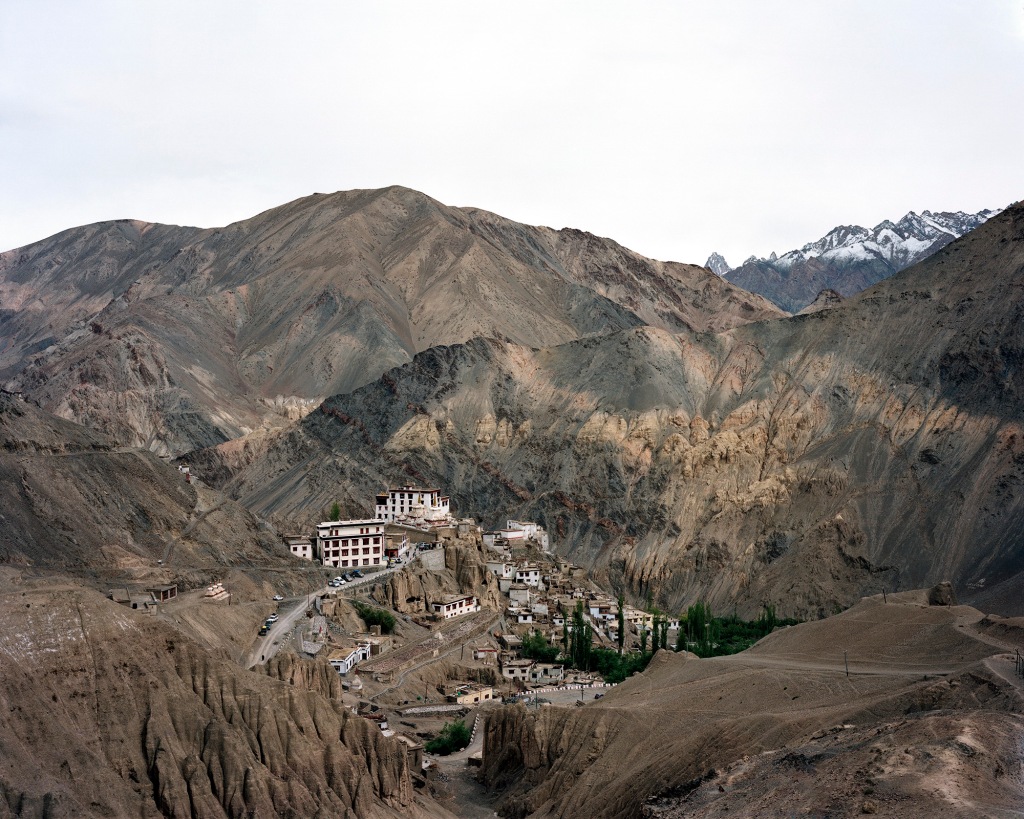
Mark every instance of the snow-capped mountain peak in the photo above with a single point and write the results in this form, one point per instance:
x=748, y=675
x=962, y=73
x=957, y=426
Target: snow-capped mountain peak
x=717, y=264
x=898, y=244
x=850, y=257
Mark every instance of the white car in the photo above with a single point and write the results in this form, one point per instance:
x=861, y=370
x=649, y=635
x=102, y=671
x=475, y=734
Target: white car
x=277, y=598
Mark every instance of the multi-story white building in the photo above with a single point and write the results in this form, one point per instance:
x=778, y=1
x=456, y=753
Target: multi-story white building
x=530, y=575
x=351, y=543
x=414, y=505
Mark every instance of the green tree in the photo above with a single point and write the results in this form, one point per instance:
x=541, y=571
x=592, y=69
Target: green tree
x=581, y=639
x=537, y=647
x=681, y=636
x=767, y=620
x=644, y=634
x=622, y=623
x=335, y=513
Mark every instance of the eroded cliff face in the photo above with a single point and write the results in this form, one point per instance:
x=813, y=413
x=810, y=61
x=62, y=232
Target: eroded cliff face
x=107, y=711
x=801, y=462
x=915, y=671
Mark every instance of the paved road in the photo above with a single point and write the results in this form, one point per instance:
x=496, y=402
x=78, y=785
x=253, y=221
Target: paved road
x=293, y=608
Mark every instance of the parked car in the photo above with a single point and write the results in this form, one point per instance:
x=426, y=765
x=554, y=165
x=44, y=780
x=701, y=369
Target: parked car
x=357, y=573
x=334, y=583
x=264, y=630
x=272, y=618
x=277, y=598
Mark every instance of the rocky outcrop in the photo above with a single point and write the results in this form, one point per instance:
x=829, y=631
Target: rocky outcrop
x=942, y=595
x=109, y=712
x=415, y=587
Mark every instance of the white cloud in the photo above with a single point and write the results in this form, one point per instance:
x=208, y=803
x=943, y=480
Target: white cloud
x=676, y=129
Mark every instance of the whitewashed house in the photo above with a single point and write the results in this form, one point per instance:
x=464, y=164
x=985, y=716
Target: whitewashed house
x=517, y=670
x=345, y=658
x=528, y=574
x=455, y=606
x=547, y=673
x=300, y=546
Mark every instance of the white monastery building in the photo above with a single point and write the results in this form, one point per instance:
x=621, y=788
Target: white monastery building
x=351, y=543
x=409, y=504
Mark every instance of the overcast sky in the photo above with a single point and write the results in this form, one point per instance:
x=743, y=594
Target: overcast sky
x=676, y=128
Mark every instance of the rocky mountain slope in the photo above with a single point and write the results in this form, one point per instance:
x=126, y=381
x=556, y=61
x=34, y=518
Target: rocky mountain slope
x=173, y=338
x=112, y=712
x=72, y=501
x=802, y=462
x=926, y=723
x=848, y=258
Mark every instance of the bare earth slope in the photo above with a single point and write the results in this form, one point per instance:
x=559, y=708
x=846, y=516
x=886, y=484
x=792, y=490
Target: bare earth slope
x=111, y=712
x=803, y=461
x=174, y=338
x=783, y=729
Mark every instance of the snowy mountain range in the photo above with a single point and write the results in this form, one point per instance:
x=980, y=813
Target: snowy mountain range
x=848, y=258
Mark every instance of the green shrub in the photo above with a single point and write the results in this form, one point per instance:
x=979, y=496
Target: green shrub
x=453, y=737
x=376, y=617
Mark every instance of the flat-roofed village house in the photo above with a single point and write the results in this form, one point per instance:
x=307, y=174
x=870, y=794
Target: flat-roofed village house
x=469, y=693
x=351, y=543
x=532, y=531
x=517, y=670
x=300, y=546
x=164, y=592
x=547, y=673
x=520, y=594
x=501, y=569
x=455, y=605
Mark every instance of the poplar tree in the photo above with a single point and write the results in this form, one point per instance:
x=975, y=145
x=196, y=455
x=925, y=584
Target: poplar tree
x=622, y=623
